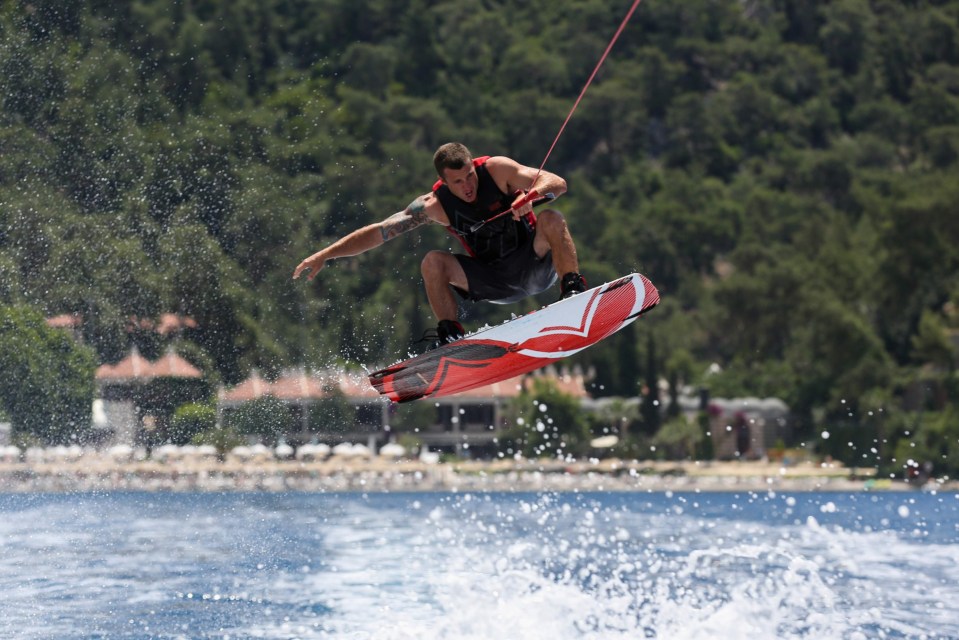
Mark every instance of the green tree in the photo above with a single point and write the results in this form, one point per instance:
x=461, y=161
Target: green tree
x=546, y=423
x=47, y=386
x=784, y=172
x=191, y=419
x=931, y=342
x=650, y=408
x=933, y=438
x=679, y=439
x=224, y=439
x=332, y=413
x=920, y=250
x=265, y=417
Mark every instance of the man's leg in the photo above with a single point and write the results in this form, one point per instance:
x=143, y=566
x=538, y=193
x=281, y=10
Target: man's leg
x=553, y=234
x=440, y=270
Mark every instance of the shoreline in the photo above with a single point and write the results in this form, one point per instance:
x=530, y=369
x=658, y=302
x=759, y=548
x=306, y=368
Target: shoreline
x=377, y=475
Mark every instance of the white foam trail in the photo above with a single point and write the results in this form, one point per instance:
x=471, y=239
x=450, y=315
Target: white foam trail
x=598, y=573
x=481, y=566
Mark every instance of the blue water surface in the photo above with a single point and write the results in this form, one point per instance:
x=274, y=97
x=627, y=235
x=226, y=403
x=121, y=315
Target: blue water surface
x=481, y=565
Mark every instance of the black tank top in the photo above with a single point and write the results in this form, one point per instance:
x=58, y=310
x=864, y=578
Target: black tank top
x=494, y=240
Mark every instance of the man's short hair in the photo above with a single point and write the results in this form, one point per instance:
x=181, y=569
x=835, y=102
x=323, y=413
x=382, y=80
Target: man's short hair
x=452, y=155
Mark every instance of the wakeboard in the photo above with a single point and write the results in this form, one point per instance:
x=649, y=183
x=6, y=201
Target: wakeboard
x=520, y=345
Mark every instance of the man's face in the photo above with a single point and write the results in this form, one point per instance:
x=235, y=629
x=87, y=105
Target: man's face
x=462, y=182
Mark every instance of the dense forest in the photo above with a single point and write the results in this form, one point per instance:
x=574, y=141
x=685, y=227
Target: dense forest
x=786, y=172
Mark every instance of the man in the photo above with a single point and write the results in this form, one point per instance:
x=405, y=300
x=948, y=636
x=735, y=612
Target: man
x=510, y=256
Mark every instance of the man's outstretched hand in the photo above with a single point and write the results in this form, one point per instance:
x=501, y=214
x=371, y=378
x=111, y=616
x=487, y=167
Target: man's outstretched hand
x=311, y=266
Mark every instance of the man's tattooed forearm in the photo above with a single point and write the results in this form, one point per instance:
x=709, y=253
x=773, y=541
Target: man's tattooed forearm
x=413, y=216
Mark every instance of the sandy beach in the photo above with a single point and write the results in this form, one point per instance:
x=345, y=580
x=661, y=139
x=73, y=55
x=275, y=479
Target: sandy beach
x=375, y=474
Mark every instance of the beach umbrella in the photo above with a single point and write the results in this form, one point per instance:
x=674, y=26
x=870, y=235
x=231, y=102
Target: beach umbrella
x=58, y=452
x=261, y=451
x=166, y=452
x=305, y=452
x=120, y=452
x=241, y=452
x=604, y=442
x=361, y=451
x=344, y=449
x=313, y=451
x=188, y=451
x=10, y=453
x=392, y=450
x=429, y=457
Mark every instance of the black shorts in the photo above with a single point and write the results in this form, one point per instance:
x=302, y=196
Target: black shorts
x=510, y=279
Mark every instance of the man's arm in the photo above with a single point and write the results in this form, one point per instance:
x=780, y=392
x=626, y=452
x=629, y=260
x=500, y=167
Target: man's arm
x=416, y=214
x=511, y=176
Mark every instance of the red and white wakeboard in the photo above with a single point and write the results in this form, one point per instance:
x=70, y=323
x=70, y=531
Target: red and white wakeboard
x=519, y=345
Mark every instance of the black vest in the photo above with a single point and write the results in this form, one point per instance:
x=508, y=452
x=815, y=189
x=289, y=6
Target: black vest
x=494, y=240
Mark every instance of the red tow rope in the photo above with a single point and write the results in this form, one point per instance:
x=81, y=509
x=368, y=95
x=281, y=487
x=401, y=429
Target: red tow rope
x=602, y=59
x=586, y=86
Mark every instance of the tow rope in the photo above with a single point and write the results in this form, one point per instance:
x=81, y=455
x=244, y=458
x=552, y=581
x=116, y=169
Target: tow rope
x=602, y=59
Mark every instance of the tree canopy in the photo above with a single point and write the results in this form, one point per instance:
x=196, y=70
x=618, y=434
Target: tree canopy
x=786, y=172
x=47, y=382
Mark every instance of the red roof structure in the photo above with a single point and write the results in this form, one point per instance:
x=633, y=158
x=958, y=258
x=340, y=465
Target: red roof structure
x=137, y=368
x=573, y=384
x=173, y=323
x=503, y=389
x=252, y=387
x=65, y=321
x=298, y=385
x=166, y=324
x=356, y=386
x=569, y=383
x=171, y=365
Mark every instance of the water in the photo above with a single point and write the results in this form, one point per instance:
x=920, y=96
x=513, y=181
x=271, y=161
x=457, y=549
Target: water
x=463, y=566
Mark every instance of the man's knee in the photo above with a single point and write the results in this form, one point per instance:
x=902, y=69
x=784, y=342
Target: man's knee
x=436, y=264
x=551, y=220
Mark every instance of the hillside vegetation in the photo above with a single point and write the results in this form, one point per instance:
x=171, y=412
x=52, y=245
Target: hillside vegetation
x=787, y=173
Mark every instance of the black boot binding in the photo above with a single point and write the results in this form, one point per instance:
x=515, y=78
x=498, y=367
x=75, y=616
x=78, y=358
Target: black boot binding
x=571, y=284
x=449, y=331
x=446, y=331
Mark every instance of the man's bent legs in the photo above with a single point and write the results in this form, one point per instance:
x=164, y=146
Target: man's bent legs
x=440, y=270
x=553, y=234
